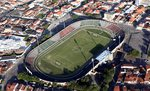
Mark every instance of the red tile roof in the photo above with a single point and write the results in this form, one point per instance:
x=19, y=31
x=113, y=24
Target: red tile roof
x=117, y=88
x=140, y=9
x=132, y=19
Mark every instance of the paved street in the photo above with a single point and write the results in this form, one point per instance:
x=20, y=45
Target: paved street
x=11, y=72
x=140, y=42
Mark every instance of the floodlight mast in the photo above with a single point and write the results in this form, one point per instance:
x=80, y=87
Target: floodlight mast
x=119, y=38
x=37, y=43
x=93, y=64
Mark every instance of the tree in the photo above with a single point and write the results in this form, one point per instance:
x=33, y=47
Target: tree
x=149, y=53
x=45, y=37
x=41, y=15
x=84, y=2
x=74, y=16
x=83, y=84
x=45, y=26
x=105, y=78
x=54, y=1
x=105, y=88
x=26, y=77
x=54, y=84
x=26, y=38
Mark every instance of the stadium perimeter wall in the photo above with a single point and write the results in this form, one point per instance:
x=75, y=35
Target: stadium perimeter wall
x=32, y=54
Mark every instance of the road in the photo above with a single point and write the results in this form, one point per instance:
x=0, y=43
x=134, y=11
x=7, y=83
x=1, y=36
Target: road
x=11, y=72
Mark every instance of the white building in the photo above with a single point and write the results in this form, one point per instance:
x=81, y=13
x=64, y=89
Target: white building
x=12, y=43
x=109, y=16
x=142, y=2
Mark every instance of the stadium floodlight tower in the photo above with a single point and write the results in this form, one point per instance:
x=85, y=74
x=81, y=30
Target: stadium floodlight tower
x=37, y=43
x=119, y=38
x=108, y=48
x=93, y=64
x=63, y=23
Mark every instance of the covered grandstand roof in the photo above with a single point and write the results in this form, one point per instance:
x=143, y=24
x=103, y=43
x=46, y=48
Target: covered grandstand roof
x=103, y=55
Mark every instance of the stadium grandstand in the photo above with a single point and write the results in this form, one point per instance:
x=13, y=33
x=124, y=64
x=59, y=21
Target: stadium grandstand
x=90, y=23
x=104, y=23
x=45, y=45
x=66, y=31
x=114, y=28
x=31, y=58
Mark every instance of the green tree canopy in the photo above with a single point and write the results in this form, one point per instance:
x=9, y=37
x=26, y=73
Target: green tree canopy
x=25, y=76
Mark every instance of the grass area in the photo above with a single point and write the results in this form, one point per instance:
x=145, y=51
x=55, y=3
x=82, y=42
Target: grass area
x=101, y=33
x=45, y=26
x=134, y=53
x=54, y=1
x=109, y=73
x=26, y=77
x=73, y=53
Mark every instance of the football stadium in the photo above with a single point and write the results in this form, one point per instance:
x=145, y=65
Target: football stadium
x=67, y=55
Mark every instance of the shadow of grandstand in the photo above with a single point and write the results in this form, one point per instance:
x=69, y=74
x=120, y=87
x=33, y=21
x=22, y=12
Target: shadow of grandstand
x=97, y=49
x=66, y=71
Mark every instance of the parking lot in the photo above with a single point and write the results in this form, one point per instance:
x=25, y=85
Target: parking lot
x=140, y=42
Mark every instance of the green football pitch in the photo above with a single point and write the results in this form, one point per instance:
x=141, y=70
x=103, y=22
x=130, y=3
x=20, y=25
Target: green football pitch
x=73, y=52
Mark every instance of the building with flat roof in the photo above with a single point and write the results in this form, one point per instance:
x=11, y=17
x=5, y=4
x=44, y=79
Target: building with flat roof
x=142, y=2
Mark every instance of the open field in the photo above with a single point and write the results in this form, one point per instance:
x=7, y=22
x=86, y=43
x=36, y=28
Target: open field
x=73, y=52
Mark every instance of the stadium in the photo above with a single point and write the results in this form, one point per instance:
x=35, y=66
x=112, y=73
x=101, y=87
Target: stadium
x=67, y=55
